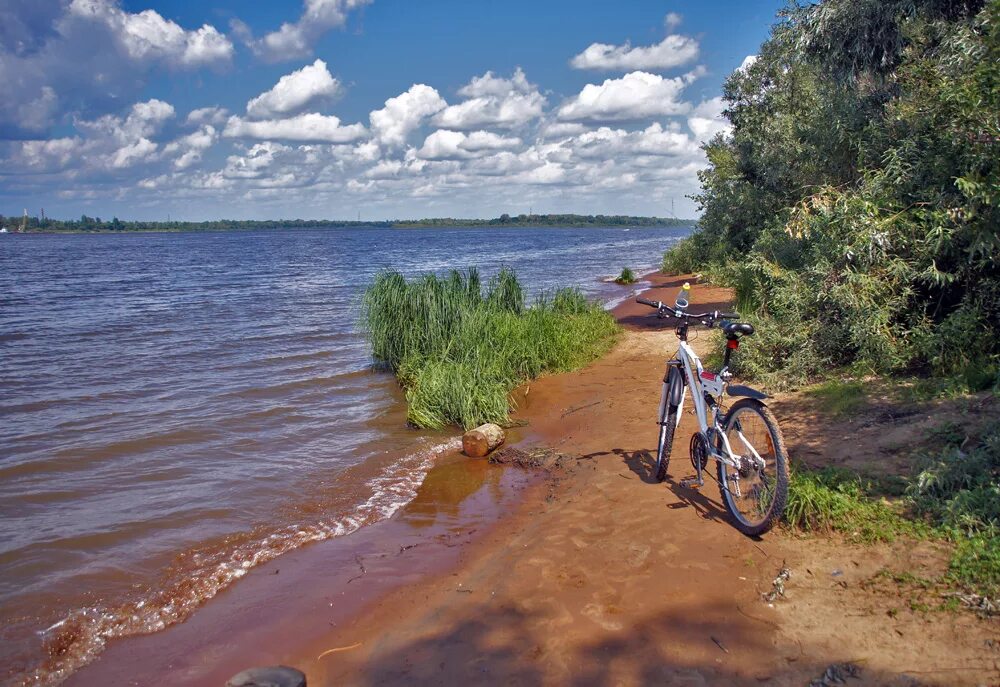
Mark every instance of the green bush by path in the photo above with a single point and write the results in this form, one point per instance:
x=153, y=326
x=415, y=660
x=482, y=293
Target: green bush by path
x=459, y=351
x=855, y=205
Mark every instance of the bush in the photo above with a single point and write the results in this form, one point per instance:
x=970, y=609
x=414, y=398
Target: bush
x=854, y=205
x=626, y=277
x=459, y=353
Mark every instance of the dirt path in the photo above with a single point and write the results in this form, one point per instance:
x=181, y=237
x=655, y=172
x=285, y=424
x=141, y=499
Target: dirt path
x=612, y=579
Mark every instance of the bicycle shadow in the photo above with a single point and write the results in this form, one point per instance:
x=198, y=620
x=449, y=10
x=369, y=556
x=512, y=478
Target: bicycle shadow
x=642, y=463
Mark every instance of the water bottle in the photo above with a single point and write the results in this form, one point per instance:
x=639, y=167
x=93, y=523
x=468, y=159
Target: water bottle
x=683, y=298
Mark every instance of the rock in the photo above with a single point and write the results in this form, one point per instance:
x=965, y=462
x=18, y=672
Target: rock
x=270, y=676
x=478, y=442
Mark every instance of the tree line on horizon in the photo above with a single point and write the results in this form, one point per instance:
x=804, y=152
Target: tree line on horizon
x=96, y=224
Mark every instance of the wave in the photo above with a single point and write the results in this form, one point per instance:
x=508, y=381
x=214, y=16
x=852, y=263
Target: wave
x=81, y=635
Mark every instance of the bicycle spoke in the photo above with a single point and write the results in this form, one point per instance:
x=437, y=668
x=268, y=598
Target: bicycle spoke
x=752, y=489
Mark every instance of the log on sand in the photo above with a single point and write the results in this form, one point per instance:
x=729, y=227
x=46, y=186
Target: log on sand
x=478, y=442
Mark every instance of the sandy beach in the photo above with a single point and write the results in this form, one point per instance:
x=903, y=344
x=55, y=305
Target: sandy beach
x=585, y=573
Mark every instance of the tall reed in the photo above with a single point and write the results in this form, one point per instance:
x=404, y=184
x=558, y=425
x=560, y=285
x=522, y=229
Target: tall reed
x=459, y=352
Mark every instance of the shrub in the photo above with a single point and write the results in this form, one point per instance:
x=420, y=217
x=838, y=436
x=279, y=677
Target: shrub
x=854, y=204
x=626, y=277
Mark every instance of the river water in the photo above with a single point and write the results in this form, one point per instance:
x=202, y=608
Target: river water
x=178, y=408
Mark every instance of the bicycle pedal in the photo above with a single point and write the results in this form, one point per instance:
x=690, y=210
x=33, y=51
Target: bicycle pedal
x=692, y=483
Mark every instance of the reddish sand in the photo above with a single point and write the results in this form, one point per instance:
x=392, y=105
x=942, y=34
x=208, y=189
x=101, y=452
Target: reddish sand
x=594, y=576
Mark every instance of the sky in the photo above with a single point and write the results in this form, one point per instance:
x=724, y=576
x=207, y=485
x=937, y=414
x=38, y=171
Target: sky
x=383, y=109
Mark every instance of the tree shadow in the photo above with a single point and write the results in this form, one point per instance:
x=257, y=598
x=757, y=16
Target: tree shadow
x=694, y=641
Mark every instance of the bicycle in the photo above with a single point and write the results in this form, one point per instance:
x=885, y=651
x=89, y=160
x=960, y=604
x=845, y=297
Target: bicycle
x=754, y=480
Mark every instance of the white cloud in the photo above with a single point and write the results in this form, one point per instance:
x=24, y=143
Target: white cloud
x=494, y=101
x=672, y=20
x=304, y=127
x=294, y=91
x=144, y=120
x=404, y=113
x=295, y=40
x=255, y=162
x=636, y=95
x=147, y=36
x=188, y=149
x=605, y=143
x=491, y=85
x=452, y=145
x=672, y=51
x=707, y=120
x=561, y=129
x=133, y=153
x=208, y=115
x=109, y=143
x=748, y=62
x=87, y=57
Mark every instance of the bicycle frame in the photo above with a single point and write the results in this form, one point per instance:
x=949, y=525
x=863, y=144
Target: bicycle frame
x=701, y=382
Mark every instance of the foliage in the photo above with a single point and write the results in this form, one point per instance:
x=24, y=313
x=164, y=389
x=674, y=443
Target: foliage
x=838, y=397
x=838, y=500
x=854, y=207
x=954, y=493
x=959, y=490
x=459, y=352
x=626, y=277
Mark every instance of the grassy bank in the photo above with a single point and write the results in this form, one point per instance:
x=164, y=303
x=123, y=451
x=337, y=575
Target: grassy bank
x=459, y=349
x=950, y=492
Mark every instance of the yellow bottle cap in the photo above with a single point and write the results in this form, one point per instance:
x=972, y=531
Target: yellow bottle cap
x=687, y=286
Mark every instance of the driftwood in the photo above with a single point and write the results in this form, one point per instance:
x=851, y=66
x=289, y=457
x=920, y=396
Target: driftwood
x=478, y=442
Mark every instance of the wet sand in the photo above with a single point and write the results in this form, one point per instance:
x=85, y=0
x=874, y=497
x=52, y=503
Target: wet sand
x=586, y=574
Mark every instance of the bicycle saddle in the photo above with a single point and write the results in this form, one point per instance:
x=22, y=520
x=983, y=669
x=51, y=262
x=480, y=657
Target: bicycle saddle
x=735, y=328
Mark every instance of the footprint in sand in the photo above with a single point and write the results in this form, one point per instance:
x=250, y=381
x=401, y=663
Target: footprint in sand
x=637, y=554
x=598, y=614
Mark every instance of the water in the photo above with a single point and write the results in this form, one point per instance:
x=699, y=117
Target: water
x=177, y=408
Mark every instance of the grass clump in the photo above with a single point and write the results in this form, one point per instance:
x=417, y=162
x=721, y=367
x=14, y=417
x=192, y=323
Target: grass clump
x=626, y=277
x=838, y=397
x=459, y=350
x=837, y=500
x=953, y=494
x=958, y=490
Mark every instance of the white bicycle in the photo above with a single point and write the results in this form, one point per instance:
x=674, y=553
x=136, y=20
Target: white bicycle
x=744, y=441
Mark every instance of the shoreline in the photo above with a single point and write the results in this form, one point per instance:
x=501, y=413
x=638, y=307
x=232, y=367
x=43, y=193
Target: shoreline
x=586, y=574
x=138, y=653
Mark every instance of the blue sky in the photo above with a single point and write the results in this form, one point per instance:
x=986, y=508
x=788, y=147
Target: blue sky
x=390, y=108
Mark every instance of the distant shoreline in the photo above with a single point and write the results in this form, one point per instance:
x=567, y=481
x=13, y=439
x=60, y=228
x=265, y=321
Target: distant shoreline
x=88, y=225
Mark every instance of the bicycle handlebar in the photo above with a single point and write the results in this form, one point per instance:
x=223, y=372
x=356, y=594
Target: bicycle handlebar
x=667, y=311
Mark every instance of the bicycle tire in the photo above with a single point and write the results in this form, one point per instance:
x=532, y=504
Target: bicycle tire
x=668, y=423
x=779, y=455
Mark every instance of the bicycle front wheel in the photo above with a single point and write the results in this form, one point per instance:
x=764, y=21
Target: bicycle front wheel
x=754, y=492
x=668, y=422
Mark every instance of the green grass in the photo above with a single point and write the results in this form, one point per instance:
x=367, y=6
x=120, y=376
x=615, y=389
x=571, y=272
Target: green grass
x=626, y=277
x=459, y=349
x=837, y=500
x=838, y=397
x=953, y=494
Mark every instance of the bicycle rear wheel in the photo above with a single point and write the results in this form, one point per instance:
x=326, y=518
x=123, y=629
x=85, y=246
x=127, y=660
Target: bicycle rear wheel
x=754, y=493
